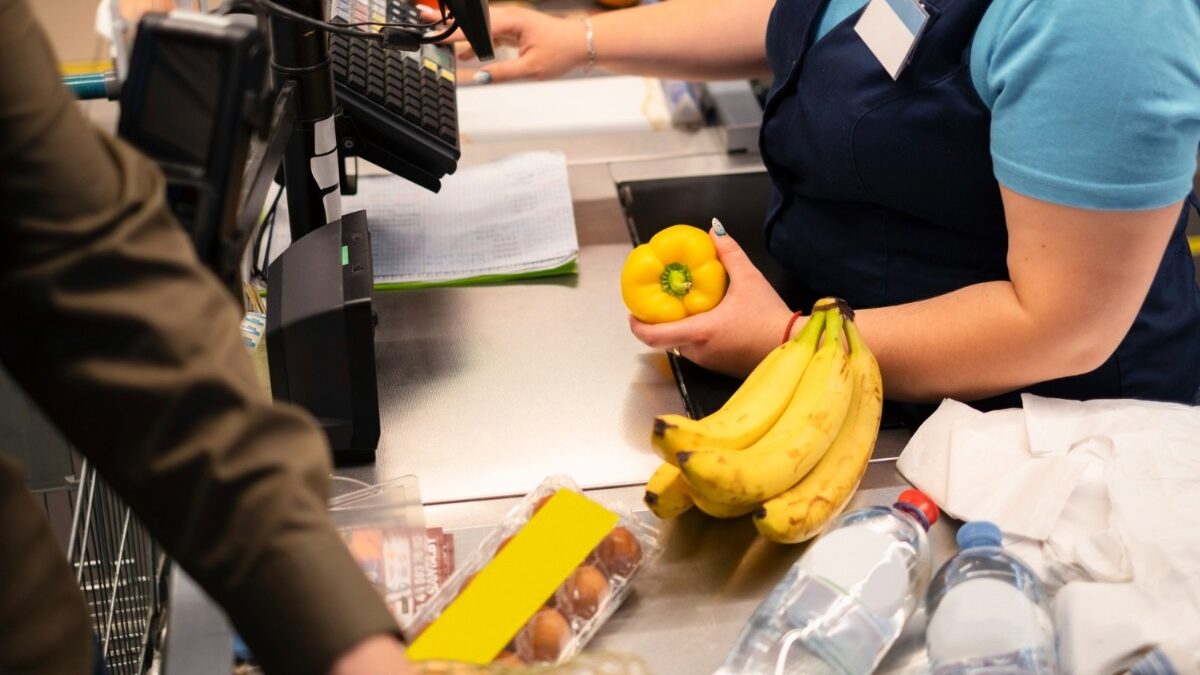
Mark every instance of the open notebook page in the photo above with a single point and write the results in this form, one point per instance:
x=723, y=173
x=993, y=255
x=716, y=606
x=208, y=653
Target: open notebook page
x=506, y=219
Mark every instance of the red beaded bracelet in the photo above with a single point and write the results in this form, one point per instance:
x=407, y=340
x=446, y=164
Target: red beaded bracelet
x=787, y=333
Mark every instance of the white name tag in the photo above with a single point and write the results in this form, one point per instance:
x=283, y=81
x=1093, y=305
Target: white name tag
x=891, y=28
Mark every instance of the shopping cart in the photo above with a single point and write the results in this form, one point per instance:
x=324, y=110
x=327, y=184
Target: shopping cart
x=121, y=571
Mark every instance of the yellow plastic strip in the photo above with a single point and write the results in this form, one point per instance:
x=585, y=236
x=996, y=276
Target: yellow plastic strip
x=1194, y=244
x=84, y=67
x=477, y=625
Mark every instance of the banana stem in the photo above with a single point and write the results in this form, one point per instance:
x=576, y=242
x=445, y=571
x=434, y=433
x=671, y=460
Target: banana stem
x=812, y=327
x=833, y=325
x=853, y=337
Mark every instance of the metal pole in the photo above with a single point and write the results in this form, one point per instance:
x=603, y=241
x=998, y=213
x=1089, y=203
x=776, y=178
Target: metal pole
x=300, y=54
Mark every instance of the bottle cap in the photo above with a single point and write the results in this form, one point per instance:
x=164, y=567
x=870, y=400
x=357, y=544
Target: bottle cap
x=915, y=501
x=978, y=533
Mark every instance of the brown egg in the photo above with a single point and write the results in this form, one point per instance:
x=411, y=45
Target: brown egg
x=580, y=596
x=544, y=637
x=620, y=552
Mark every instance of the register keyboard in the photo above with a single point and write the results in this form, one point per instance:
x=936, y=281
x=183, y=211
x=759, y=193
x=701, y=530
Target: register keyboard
x=402, y=105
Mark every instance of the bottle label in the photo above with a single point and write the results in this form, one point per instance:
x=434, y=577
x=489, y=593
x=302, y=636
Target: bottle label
x=984, y=617
x=866, y=564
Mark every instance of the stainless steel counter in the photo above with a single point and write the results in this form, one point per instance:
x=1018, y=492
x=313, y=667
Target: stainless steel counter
x=484, y=390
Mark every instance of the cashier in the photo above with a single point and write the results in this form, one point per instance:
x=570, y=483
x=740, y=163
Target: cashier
x=1011, y=208
x=131, y=347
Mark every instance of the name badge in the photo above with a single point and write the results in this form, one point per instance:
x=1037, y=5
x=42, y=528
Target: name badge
x=891, y=28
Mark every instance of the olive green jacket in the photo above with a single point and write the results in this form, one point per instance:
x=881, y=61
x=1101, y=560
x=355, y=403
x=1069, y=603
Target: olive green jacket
x=131, y=347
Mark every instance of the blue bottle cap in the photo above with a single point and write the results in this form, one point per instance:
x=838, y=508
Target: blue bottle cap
x=978, y=533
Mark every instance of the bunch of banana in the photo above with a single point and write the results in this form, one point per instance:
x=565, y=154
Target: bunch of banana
x=754, y=407
x=792, y=443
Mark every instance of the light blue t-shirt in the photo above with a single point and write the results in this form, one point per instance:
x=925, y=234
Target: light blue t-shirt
x=1095, y=103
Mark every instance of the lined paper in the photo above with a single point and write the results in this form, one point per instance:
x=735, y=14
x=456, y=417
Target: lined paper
x=511, y=218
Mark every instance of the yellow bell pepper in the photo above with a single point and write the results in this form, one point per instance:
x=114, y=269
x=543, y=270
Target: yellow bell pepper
x=674, y=275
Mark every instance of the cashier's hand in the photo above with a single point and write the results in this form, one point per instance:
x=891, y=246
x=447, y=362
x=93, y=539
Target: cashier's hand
x=547, y=46
x=378, y=655
x=735, y=335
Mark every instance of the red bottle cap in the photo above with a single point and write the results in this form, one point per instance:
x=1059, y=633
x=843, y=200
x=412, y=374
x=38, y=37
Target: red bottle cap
x=923, y=504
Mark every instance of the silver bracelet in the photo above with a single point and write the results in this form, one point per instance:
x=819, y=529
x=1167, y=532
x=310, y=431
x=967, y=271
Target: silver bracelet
x=589, y=38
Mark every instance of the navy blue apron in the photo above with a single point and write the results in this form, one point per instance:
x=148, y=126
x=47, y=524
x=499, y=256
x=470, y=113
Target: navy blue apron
x=885, y=194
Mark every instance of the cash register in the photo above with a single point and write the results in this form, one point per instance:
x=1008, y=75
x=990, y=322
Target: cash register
x=350, y=78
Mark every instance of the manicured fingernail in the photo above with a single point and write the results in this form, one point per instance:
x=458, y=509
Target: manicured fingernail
x=718, y=228
x=482, y=77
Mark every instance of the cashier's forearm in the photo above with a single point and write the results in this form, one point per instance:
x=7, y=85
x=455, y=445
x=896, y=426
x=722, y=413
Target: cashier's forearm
x=970, y=344
x=685, y=39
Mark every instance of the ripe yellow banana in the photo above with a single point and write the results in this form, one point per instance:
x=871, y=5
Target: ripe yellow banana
x=667, y=493
x=803, y=511
x=753, y=408
x=791, y=448
x=717, y=510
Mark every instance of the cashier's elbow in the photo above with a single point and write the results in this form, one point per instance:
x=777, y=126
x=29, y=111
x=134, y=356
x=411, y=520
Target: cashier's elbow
x=1082, y=351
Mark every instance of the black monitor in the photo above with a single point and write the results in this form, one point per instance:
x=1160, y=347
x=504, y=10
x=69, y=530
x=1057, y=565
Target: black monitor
x=192, y=102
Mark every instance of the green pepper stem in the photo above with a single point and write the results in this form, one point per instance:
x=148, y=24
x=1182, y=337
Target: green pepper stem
x=676, y=280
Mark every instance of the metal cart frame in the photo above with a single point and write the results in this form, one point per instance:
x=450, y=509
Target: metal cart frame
x=121, y=571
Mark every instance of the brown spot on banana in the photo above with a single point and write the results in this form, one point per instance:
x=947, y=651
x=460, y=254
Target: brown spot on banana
x=661, y=427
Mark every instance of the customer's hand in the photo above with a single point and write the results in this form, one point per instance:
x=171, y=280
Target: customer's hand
x=548, y=46
x=735, y=335
x=378, y=655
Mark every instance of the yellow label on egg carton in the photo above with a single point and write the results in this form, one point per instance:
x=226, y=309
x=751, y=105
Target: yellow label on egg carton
x=489, y=611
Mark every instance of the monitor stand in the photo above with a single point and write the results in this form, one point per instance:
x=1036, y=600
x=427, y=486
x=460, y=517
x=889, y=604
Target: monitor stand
x=321, y=334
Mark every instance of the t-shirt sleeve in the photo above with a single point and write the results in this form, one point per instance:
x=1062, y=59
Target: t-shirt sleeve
x=1094, y=104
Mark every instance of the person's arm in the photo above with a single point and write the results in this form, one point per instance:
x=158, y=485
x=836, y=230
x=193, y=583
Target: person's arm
x=132, y=348
x=1078, y=278
x=682, y=39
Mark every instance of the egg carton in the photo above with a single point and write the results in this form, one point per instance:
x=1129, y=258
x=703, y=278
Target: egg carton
x=583, y=600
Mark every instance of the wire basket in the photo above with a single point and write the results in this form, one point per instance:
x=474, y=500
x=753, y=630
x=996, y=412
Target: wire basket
x=120, y=569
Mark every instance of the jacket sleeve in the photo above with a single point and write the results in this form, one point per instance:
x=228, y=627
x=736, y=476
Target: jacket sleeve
x=132, y=348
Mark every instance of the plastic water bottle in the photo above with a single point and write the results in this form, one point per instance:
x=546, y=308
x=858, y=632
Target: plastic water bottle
x=843, y=604
x=988, y=612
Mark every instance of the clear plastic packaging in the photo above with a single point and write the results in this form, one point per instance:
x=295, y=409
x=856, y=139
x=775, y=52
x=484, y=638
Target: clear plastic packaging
x=383, y=525
x=584, y=599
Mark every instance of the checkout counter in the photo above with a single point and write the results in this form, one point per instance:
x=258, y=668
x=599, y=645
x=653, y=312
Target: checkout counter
x=473, y=379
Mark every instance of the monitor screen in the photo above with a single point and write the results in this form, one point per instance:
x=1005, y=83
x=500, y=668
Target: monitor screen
x=185, y=82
